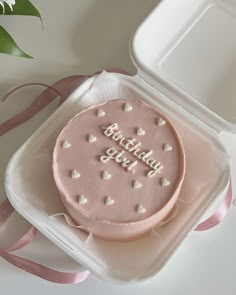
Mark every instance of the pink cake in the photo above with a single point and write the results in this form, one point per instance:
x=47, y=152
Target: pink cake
x=119, y=167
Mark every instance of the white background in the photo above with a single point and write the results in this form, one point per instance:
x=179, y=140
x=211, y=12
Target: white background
x=79, y=37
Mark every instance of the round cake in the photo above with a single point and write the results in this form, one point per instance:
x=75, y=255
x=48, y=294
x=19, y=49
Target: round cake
x=119, y=167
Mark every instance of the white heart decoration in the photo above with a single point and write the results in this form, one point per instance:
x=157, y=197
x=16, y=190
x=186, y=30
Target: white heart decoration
x=140, y=132
x=167, y=147
x=75, y=174
x=82, y=200
x=165, y=181
x=109, y=201
x=127, y=107
x=140, y=209
x=100, y=113
x=161, y=122
x=92, y=138
x=137, y=184
x=66, y=144
x=106, y=175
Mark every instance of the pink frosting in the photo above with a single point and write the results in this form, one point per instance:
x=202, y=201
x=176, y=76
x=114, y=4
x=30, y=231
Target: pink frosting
x=113, y=202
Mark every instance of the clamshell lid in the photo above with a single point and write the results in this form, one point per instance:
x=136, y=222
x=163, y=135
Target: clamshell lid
x=187, y=50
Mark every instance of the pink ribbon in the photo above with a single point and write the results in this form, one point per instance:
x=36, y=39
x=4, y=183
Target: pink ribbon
x=63, y=88
x=44, y=272
x=220, y=213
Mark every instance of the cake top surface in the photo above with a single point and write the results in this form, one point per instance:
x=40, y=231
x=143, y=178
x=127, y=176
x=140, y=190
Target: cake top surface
x=120, y=161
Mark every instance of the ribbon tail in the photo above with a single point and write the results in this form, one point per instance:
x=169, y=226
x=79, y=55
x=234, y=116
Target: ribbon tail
x=44, y=272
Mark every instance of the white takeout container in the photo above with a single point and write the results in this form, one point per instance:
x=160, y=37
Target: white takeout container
x=184, y=69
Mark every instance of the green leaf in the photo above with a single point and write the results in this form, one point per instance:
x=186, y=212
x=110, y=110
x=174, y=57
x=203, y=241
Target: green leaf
x=9, y=46
x=22, y=7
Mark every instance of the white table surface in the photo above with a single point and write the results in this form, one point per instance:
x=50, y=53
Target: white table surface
x=77, y=40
